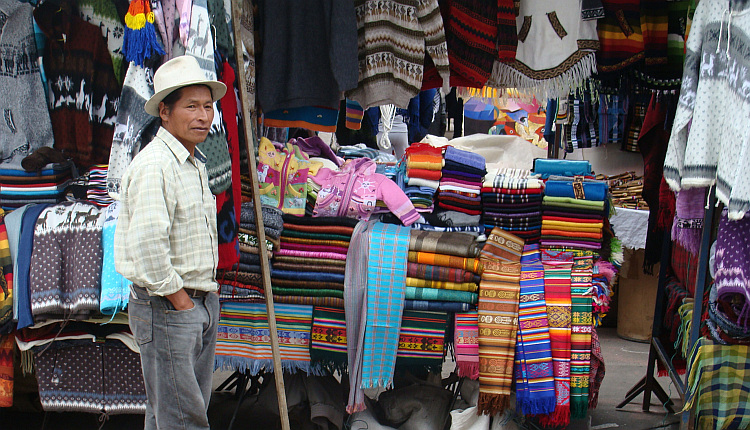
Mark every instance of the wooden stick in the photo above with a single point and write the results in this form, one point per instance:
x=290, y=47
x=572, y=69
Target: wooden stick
x=265, y=269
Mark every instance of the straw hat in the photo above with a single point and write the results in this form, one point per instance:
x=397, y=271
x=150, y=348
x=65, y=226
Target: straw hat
x=176, y=73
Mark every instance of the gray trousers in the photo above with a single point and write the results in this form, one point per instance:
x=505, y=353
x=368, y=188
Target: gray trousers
x=177, y=356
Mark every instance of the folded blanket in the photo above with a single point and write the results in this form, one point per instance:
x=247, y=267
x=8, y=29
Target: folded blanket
x=502, y=246
x=566, y=233
x=547, y=167
x=511, y=207
x=454, y=207
x=568, y=244
x=319, y=221
x=427, y=305
x=511, y=191
x=473, y=230
x=454, y=185
x=308, y=292
x=573, y=203
x=493, y=180
x=458, y=244
x=470, y=264
x=574, y=219
x=466, y=197
x=466, y=158
x=331, y=229
x=443, y=285
x=271, y=233
x=311, y=254
x=419, y=182
x=439, y=273
x=307, y=267
x=333, y=302
x=304, y=275
x=313, y=235
x=591, y=190
x=307, y=261
x=495, y=197
x=314, y=243
x=462, y=176
x=432, y=175
x=414, y=293
x=573, y=226
x=272, y=217
x=316, y=248
x=575, y=215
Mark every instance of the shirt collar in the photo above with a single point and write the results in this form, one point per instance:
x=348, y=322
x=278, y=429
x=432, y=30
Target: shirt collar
x=174, y=145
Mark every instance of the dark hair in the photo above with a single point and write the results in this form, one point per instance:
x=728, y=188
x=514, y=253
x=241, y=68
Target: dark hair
x=171, y=98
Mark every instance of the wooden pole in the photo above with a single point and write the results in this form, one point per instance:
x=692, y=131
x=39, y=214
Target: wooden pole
x=265, y=268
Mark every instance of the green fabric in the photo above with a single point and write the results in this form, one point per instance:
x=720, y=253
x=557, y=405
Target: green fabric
x=575, y=203
x=416, y=293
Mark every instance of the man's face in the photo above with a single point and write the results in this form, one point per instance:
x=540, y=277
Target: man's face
x=189, y=120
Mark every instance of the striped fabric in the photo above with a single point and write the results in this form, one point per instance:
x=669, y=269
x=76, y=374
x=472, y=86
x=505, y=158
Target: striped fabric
x=440, y=295
x=421, y=340
x=386, y=283
x=466, y=343
x=459, y=286
x=6, y=279
x=470, y=264
x=535, y=387
x=557, y=267
x=471, y=33
x=580, y=338
x=354, y=115
x=328, y=339
x=502, y=246
x=498, y=324
x=655, y=28
x=355, y=290
x=439, y=273
x=7, y=346
x=243, y=339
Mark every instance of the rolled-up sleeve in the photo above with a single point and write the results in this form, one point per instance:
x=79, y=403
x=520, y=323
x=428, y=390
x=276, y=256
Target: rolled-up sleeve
x=142, y=237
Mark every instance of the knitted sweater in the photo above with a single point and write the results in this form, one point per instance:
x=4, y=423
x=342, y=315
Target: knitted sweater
x=25, y=124
x=393, y=37
x=103, y=14
x=711, y=134
x=66, y=262
x=84, y=92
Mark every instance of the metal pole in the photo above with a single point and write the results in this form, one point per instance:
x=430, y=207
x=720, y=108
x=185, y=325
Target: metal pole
x=265, y=268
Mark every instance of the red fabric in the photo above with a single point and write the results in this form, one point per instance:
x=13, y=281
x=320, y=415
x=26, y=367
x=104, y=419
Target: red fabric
x=572, y=219
x=432, y=175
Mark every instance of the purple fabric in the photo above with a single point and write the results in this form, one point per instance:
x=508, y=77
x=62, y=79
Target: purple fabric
x=688, y=222
x=572, y=215
x=465, y=157
x=733, y=265
x=311, y=254
x=315, y=147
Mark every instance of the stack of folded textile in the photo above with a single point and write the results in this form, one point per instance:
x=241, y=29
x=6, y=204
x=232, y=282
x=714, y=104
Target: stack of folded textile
x=246, y=188
x=18, y=187
x=424, y=164
x=97, y=186
x=512, y=201
x=309, y=267
x=357, y=151
x=572, y=222
x=442, y=271
x=245, y=282
x=461, y=182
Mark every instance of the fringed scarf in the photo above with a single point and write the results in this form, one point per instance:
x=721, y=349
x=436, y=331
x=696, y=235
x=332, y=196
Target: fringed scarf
x=557, y=267
x=355, y=299
x=688, y=222
x=421, y=340
x=535, y=386
x=580, y=338
x=243, y=340
x=498, y=324
x=502, y=246
x=597, y=370
x=328, y=339
x=466, y=343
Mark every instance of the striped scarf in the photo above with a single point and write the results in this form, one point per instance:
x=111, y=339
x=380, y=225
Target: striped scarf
x=328, y=339
x=580, y=339
x=386, y=284
x=502, y=246
x=466, y=334
x=557, y=267
x=355, y=299
x=421, y=341
x=498, y=324
x=535, y=387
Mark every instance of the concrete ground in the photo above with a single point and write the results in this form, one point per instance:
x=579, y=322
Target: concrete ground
x=625, y=365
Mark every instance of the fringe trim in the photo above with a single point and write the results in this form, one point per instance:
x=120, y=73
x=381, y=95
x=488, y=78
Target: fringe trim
x=505, y=76
x=328, y=366
x=559, y=418
x=535, y=405
x=253, y=367
x=492, y=404
x=468, y=369
x=578, y=408
x=27, y=362
x=689, y=238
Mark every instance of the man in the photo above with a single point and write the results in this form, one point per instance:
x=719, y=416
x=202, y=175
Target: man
x=166, y=244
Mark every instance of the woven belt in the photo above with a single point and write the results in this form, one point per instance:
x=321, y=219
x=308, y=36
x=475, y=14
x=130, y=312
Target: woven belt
x=195, y=293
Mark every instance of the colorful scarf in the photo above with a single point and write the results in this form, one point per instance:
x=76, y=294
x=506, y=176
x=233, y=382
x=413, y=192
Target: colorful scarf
x=438, y=273
x=466, y=343
x=535, y=386
x=470, y=264
x=458, y=244
x=427, y=305
x=502, y=246
x=386, y=282
x=355, y=305
x=444, y=285
x=328, y=339
x=580, y=338
x=421, y=340
x=597, y=370
x=498, y=323
x=243, y=340
x=331, y=302
x=7, y=346
x=557, y=268
x=439, y=295
x=688, y=222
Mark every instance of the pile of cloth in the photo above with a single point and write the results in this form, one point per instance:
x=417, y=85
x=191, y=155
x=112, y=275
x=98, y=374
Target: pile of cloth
x=357, y=151
x=424, y=165
x=310, y=265
x=461, y=182
x=442, y=271
x=245, y=281
x=96, y=191
x=512, y=201
x=573, y=218
x=18, y=187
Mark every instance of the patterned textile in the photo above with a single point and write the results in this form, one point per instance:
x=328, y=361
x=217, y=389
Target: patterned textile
x=355, y=299
x=597, y=370
x=81, y=376
x=498, y=323
x=502, y=246
x=557, y=268
x=471, y=32
x=243, y=341
x=435, y=294
x=466, y=344
x=428, y=305
x=328, y=339
x=386, y=282
x=535, y=387
x=7, y=346
x=438, y=273
x=458, y=244
x=333, y=302
x=459, y=286
x=580, y=338
x=421, y=339
x=719, y=385
x=732, y=267
x=470, y=264
x=6, y=280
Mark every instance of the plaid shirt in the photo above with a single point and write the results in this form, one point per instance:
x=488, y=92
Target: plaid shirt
x=166, y=234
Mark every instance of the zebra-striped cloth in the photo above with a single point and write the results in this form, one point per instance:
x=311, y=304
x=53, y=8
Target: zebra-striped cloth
x=535, y=386
x=580, y=338
x=557, y=267
x=243, y=340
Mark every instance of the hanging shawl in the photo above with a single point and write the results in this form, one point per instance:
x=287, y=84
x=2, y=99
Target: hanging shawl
x=466, y=344
x=535, y=387
x=580, y=338
x=688, y=221
x=549, y=63
x=7, y=347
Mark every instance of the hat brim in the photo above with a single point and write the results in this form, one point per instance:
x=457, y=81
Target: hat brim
x=218, y=90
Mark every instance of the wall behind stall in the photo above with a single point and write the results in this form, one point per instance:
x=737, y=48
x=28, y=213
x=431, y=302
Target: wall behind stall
x=610, y=160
